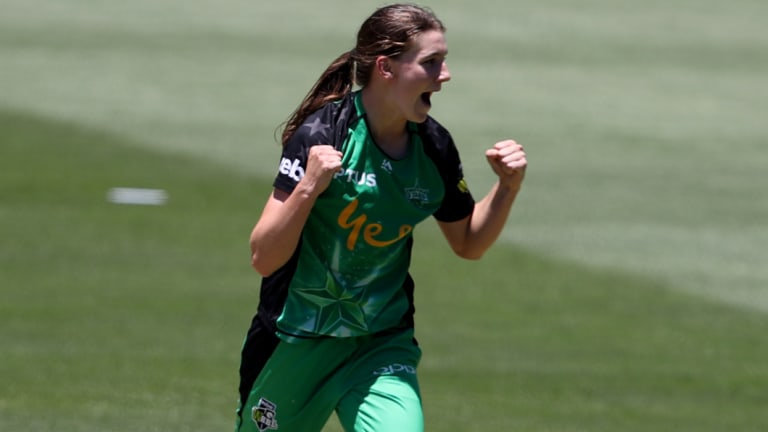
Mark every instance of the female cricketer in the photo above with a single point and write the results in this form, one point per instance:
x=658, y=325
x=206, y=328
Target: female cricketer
x=334, y=329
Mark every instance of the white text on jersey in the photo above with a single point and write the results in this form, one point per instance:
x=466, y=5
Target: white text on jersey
x=352, y=176
x=291, y=168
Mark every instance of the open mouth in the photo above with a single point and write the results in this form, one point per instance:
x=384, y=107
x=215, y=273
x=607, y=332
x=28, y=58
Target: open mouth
x=427, y=98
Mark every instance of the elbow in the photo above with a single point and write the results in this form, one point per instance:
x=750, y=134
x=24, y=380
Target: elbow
x=469, y=253
x=259, y=260
x=261, y=265
x=265, y=259
x=471, y=256
x=262, y=268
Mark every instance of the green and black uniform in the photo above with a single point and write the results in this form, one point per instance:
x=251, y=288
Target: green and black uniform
x=337, y=319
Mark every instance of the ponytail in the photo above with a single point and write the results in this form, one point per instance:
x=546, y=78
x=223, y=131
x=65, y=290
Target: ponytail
x=335, y=83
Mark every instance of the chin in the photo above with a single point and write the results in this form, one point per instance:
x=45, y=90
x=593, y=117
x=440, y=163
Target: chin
x=420, y=116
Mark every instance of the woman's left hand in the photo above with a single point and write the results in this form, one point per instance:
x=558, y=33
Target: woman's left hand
x=507, y=159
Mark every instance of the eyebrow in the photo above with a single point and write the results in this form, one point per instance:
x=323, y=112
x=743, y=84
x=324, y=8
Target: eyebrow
x=435, y=53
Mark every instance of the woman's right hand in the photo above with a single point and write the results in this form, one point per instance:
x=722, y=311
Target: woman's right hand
x=323, y=163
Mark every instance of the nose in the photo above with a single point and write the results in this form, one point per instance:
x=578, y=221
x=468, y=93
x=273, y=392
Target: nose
x=445, y=74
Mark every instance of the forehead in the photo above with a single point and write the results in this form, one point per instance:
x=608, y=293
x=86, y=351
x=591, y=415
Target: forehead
x=425, y=44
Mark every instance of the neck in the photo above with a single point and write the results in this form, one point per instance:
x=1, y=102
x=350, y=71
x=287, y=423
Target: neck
x=388, y=130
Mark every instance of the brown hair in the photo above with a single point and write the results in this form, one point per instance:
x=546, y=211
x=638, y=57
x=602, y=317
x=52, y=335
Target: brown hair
x=387, y=32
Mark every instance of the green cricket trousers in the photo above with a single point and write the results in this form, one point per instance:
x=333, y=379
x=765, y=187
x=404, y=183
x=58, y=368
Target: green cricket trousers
x=370, y=381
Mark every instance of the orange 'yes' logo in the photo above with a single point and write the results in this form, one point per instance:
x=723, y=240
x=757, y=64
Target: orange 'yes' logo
x=370, y=231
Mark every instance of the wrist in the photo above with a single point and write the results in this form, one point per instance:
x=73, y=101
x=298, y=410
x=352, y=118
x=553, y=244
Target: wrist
x=508, y=185
x=307, y=190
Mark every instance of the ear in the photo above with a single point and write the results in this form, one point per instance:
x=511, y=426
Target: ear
x=384, y=67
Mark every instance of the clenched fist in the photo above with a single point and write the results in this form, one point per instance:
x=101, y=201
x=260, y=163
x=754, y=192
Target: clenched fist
x=507, y=159
x=323, y=163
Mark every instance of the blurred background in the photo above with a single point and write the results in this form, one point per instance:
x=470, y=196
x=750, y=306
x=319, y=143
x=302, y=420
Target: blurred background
x=629, y=291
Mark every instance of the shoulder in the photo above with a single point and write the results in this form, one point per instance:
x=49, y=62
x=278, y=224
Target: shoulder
x=438, y=142
x=327, y=125
x=432, y=130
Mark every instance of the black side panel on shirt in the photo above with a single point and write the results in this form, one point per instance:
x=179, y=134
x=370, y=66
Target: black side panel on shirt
x=259, y=345
x=274, y=291
x=409, y=287
x=262, y=339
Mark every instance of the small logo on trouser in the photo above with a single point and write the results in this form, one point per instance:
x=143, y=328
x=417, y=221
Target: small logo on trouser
x=395, y=369
x=265, y=415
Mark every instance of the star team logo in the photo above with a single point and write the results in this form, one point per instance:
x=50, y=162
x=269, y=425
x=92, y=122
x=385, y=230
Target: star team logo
x=265, y=415
x=318, y=127
x=417, y=195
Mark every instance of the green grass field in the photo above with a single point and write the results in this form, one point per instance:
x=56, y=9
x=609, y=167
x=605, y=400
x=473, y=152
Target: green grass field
x=629, y=292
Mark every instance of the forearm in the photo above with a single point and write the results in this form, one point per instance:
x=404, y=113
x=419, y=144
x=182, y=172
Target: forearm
x=277, y=233
x=488, y=220
x=508, y=161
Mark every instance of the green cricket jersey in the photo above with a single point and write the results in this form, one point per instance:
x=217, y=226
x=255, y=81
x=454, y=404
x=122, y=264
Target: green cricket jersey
x=349, y=274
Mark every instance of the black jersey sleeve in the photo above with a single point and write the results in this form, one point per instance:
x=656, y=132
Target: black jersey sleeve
x=458, y=202
x=293, y=160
